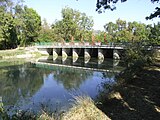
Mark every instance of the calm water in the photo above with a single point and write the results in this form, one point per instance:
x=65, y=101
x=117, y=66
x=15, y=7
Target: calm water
x=35, y=87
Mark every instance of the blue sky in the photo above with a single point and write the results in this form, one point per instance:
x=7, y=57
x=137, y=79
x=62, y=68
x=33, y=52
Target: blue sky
x=132, y=10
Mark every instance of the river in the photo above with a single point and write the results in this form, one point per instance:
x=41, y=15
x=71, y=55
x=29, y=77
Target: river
x=52, y=85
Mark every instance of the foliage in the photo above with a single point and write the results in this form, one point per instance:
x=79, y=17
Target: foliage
x=99, y=37
x=121, y=31
x=138, y=53
x=154, y=37
x=7, y=28
x=111, y=5
x=137, y=56
x=32, y=25
x=73, y=23
x=46, y=34
x=18, y=24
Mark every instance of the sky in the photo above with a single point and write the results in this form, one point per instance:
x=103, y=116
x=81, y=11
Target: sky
x=132, y=10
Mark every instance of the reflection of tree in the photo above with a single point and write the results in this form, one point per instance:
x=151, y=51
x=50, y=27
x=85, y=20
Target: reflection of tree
x=108, y=75
x=19, y=82
x=71, y=79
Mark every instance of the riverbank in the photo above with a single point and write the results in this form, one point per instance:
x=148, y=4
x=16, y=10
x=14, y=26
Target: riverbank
x=136, y=99
x=83, y=109
x=20, y=53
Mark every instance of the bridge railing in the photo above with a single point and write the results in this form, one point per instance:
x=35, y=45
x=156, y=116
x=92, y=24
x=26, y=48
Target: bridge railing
x=111, y=44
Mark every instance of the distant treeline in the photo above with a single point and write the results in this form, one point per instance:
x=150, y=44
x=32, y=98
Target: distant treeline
x=21, y=26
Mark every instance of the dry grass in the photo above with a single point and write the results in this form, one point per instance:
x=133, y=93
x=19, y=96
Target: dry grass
x=83, y=109
x=45, y=116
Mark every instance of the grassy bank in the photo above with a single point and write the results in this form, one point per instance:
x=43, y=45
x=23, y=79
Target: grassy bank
x=13, y=52
x=23, y=52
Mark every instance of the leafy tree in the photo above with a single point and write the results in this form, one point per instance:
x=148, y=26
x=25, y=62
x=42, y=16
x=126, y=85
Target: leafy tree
x=85, y=24
x=46, y=34
x=154, y=37
x=123, y=36
x=111, y=29
x=31, y=25
x=8, y=38
x=73, y=23
x=18, y=24
x=59, y=31
x=129, y=32
x=111, y=5
x=121, y=24
x=69, y=22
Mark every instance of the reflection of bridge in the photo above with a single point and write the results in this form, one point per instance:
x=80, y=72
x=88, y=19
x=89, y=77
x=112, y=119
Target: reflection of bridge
x=93, y=64
x=74, y=68
x=83, y=50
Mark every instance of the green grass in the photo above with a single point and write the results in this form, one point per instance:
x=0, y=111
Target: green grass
x=14, y=52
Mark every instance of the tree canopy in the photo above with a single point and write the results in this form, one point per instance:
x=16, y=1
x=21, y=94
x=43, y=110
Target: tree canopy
x=19, y=25
x=121, y=31
x=73, y=23
x=111, y=5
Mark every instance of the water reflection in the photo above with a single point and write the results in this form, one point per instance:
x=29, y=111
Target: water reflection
x=33, y=87
x=71, y=79
x=97, y=64
x=15, y=82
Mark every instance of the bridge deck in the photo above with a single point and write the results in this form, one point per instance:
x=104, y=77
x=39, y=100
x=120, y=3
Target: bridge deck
x=89, y=46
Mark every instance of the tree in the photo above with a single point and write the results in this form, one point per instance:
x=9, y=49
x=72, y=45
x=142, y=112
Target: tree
x=31, y=26
x=85, y=24
x=132, y=31
x=46, y=34
x=8, y=36
x=111, y=29
x=73, y=23
x=111, y=5
x=18, y=24
x=154, y=37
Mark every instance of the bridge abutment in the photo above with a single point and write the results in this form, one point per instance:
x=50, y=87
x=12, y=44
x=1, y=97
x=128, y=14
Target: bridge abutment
x=118, y=54
x=105, y=53
x=89, y=53
x=45, y=51
x=77, y=52
x=57, y=52
x=66, y=52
